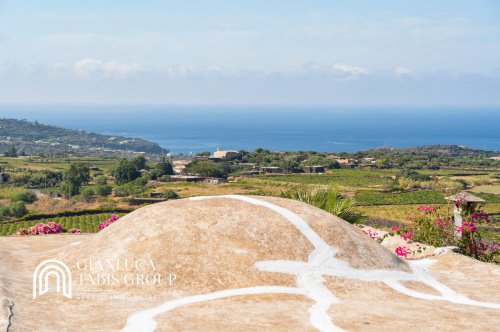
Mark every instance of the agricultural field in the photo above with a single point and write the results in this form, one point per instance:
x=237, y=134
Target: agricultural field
x=406, y=198
x=455, y=172
x=378, y=193
x=53, y=164
x=349, y=178
x=487, y=189
x=7, y=192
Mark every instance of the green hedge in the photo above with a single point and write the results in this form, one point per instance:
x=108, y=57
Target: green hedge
x=29, y=216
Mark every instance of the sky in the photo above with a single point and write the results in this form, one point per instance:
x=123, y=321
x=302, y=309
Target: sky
x=259, y=52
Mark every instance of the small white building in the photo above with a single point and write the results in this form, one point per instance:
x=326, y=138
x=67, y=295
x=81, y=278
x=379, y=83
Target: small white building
x=179, y=165
x=227, y=154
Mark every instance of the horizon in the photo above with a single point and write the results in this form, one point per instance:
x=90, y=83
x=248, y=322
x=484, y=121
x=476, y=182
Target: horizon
x=321, y=54
x=197, y=129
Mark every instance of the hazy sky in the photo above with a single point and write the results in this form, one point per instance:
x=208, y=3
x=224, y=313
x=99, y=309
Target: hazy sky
x=320, y=52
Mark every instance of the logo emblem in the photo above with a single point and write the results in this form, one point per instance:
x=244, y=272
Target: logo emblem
x=42, y=276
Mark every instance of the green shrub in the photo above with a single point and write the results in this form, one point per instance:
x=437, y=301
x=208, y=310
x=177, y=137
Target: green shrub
x=103, y=190
x=17, y=209
x=4, y=212
x=101, y=180
x=164, y=178
x=86, y=193
x=169, y=194
x=27, y=196
x=121, y=192
x=413, y=175
x=135, y=187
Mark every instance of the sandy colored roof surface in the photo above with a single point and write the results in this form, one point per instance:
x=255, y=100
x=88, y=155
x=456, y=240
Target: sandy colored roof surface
x=466, y=196
x=241, y=263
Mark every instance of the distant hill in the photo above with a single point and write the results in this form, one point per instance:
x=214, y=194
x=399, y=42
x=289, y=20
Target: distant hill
x=33, y=137
x=434, y=150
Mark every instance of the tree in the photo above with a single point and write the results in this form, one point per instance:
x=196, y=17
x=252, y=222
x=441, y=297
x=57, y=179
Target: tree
x=206, y=168
x=203, y=154
x=321, y=160
x=125, y=172
x=76, y=175
x=11, y=152
x=69, y=189
x=139, y=162
x=164, y=168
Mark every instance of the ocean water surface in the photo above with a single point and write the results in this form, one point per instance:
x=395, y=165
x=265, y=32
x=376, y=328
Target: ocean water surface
x=196, y=129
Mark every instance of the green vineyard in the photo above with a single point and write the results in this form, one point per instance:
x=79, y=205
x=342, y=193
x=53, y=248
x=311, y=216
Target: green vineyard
x=86, y=223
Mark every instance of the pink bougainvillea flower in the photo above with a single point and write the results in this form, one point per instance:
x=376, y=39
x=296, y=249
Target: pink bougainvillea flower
x=49, y=228
x=426, y=208
x=467, y=226
x=407, y=235
x=480, y=216
x=108, y=222
x=394, y=228
x=370, y=233
x=402, y=251
x=22, y=231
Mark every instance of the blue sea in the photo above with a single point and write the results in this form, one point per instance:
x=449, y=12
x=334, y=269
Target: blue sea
x=336, y=129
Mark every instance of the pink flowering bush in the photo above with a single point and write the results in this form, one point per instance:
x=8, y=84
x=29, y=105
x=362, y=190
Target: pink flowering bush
x=436, y=227
x=41, y=229
x=108, y=222
x=471, y=242
x=429, y=225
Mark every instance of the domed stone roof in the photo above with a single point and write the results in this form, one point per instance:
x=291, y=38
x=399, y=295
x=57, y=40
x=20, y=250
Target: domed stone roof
x=232, y=263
